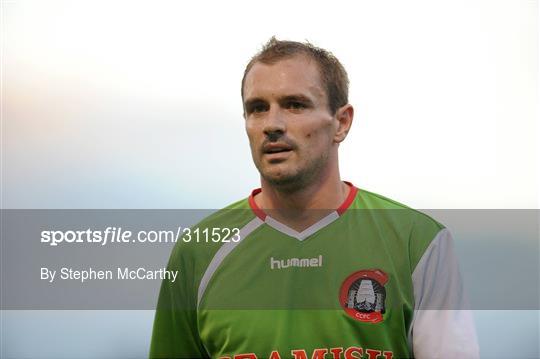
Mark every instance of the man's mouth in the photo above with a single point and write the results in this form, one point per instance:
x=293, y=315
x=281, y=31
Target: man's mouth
x=276, y=148
x=277, y=152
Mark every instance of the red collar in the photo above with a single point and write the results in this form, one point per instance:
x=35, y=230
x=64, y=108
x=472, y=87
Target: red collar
x=340, y=210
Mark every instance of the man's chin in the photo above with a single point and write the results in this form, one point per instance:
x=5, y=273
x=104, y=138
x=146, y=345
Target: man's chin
x=284, y=181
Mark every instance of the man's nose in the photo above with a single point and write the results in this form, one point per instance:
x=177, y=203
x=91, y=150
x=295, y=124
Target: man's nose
x=274, y=124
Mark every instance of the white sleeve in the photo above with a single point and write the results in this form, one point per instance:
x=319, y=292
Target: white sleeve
x=442, y=326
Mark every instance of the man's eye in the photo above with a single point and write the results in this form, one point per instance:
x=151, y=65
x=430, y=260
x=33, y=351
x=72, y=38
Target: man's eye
x=257, y=109
x=296, y=105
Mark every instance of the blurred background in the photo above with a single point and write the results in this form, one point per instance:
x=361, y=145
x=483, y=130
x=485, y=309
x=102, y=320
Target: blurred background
x=126, y=104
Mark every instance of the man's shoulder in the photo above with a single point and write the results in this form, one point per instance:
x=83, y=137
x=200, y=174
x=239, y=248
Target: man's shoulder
x=417, y=229
x=236, y=214
x=200, y=242
x=374, y=201
x=219, y=227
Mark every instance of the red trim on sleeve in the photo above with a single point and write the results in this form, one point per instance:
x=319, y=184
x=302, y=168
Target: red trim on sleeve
x=341, y=209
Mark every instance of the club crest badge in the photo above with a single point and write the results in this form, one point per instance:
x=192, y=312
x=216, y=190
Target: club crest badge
x=363, y=295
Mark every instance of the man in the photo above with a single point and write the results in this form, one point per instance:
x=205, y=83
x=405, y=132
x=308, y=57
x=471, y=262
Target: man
x=317, y=268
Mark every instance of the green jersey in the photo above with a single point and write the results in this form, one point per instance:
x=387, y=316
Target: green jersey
x=372, y=279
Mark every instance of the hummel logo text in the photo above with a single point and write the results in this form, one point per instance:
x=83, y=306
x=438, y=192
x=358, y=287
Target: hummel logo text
x=296, y=262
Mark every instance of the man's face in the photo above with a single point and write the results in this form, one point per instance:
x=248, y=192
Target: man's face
x=288, y=122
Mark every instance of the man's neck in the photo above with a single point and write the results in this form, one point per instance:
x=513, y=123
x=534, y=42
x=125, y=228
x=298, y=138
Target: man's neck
x=304, y=207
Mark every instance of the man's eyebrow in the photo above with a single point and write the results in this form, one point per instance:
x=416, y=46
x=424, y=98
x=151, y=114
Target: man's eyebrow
x=283, y=99
x=296, y=98
x=252, y=101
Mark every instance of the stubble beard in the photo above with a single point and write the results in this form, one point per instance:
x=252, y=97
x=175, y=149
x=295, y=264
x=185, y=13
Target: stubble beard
x=299, y=178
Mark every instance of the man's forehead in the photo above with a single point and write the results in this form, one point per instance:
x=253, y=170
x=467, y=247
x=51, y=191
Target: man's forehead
x=291, y=75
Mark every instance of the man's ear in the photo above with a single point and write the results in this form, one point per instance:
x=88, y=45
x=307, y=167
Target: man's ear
x=344, y=116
